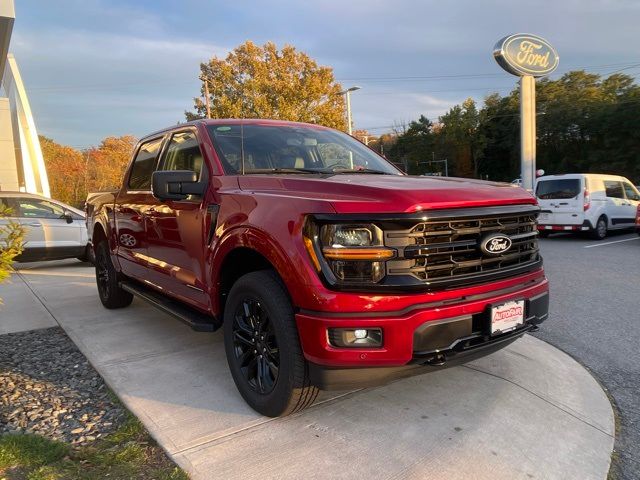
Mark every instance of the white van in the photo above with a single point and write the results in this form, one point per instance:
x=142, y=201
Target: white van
x=586, y=202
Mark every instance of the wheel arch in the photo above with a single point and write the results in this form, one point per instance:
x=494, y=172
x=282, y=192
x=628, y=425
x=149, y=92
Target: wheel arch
x=244, y=252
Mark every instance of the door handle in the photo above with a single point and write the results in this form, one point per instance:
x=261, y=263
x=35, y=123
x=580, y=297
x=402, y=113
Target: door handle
x=34, y=224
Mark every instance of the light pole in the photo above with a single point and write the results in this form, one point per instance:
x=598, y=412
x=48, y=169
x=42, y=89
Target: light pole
x=205, y=81
x=347, y=93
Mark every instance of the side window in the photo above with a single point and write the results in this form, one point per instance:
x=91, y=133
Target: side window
x=144, y=164
x=613, y=189
x=183, y=153
x=35, y=208
x=631, y=192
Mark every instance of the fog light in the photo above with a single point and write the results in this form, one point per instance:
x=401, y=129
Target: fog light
x=359, y=334
x=355, y=337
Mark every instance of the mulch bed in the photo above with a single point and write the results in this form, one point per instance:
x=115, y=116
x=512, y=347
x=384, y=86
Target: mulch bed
x=48, y=387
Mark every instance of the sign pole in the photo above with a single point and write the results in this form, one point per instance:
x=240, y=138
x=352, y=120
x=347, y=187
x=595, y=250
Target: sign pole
x=527, y=131
x=526, y=56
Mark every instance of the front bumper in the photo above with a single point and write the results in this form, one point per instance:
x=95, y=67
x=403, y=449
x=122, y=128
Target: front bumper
x=418, y=341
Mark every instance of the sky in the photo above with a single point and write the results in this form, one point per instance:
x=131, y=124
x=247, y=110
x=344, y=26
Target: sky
x=96, y=68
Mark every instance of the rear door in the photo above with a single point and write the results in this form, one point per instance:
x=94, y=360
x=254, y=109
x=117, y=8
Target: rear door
x=132, y=203
x=561, y=201
x=48, y=232
x=617, y=204
x=176, y=229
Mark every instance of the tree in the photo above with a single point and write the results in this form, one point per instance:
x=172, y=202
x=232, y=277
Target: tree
x=67, y=171
x=585, y=123
x=11, y=242
x=106, y=163
x=415, y=147
x=264, y=82
x=463, y=137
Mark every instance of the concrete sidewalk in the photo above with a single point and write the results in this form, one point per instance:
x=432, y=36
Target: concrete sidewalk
x=528, y=411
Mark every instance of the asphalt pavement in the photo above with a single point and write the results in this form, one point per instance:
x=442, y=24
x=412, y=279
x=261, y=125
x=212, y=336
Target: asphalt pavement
x=526, y=412
x=595, y=317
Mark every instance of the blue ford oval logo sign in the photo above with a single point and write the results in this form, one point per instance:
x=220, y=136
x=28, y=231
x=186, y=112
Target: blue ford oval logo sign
x=525, y=54
x=495, y=244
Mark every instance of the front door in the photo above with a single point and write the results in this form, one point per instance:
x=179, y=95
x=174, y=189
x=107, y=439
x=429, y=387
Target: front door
x=617, y=204
x=176, y=229
x=50, y=232
x=633, y=199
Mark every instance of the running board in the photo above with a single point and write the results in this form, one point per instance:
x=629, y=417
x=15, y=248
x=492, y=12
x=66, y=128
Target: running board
x=197, y=320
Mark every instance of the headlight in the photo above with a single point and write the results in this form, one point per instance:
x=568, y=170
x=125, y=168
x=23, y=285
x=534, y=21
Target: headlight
x=355, y=254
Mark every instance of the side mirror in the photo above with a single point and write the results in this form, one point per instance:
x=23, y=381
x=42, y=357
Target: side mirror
x=68, y=217
x=175, y=184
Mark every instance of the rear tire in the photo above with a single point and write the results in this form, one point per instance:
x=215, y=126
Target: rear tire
x=111, y=295
x=263, y=348
x=600, y=230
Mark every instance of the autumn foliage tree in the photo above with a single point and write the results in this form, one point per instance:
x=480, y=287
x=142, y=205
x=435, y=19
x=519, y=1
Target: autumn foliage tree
x=66, y=170
x=72, y=173
x=264, y=82
x=107, y=162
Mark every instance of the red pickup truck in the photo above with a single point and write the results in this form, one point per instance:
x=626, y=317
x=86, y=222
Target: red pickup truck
x=326, y=267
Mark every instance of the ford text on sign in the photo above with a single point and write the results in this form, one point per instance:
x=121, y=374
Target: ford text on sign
x=524, y=54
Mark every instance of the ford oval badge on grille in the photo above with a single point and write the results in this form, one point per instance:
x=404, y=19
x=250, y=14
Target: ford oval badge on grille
x=495, y=244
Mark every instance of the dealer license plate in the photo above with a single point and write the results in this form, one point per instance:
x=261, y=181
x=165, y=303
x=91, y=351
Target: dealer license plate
x=507, y=317
x=543, y=217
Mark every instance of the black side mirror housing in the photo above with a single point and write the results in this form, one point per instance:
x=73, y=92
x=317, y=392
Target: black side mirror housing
x=175, y=184
x=68, y=217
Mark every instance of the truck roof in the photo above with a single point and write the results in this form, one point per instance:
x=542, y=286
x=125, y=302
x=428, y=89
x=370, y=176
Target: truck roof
x=236, y=121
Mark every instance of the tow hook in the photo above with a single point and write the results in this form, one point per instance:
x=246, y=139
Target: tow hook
x=437, y=360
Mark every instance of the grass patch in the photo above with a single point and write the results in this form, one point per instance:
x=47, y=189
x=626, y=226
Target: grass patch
x=29, y=451
x=127, y=454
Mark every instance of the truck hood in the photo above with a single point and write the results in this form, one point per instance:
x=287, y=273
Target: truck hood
x=364, y=193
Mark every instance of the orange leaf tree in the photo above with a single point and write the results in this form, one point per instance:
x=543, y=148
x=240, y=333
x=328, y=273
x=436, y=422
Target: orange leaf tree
x=264, y=82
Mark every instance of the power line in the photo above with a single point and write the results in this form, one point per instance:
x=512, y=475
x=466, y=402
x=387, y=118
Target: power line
x=372, y=78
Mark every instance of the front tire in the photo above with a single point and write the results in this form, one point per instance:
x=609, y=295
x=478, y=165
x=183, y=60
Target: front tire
x=600, y=230
x=111, y=295
x=262, y=346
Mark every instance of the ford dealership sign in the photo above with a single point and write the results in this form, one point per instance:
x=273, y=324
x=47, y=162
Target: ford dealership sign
x=524, y=54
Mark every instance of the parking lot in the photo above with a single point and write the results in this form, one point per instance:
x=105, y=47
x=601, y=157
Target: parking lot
x=196, y=414
x=595, y=317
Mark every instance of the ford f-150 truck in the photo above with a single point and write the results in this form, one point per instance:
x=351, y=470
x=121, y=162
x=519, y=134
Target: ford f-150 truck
x=325, y=266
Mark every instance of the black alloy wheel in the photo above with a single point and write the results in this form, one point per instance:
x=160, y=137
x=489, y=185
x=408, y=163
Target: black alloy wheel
x=255, y=346
x=263, y=347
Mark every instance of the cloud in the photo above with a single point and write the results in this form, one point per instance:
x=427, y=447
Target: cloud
x=111, y=81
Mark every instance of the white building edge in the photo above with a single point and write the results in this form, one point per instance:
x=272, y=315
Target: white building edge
x=22, y=166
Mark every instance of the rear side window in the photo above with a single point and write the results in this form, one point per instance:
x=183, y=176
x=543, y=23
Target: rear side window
x=183, y=153
x=614, y=189
x=556, y=189
x=144, y=165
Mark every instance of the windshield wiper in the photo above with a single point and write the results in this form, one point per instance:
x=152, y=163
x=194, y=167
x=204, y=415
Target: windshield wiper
x=361, y=170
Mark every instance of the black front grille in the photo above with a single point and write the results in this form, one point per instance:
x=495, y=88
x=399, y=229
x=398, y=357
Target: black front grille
x=443, y=248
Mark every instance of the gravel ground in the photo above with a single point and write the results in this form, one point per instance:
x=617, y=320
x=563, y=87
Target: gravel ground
x=49, y=388
x=595, y=317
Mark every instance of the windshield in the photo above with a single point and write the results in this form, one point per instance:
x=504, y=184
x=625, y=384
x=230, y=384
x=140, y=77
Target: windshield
x=550, y=189
x=285, y=149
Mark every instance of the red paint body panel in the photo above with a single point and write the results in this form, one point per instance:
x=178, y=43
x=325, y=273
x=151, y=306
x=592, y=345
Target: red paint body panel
x=266, y=213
